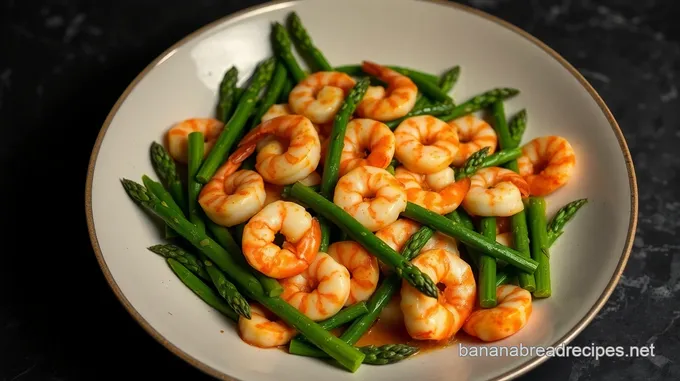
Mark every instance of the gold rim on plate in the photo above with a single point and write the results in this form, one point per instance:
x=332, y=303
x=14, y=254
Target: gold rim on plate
x=263, y=8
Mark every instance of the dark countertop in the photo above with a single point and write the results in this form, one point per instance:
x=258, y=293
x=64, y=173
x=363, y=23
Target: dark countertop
x=64, y=63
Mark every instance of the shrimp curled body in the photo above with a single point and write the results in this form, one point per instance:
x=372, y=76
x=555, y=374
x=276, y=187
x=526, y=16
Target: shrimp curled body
x=507, y=318
x=178, y=136
x=428, y=318
x=362, y=266
x=547, y=163
x=474, y=134
x=262, y=332
x=495, y=191
x=425, y=144
x=321, y=290
x=231, y=200
x=391, y=103
x=320, y=95
x=302, y=240
x=438, y=192
x=371, y=195
x=367, y=135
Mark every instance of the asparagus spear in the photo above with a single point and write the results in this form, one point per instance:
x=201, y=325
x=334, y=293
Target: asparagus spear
x=345, y=354
x=436, y=109
x=343, y=317
x=566, y=213
x=539, y=246
x=274, y=89
x=201, y=289
x=195, y=154
x=228, y=291
x=473, y=163
x=285, y=90
x=517, y=126
x=479, y=102
x=487, y=267
x=390, y=169
x=518, y=222
x=165, y=168
x=382, y=355
x=416, y=242
x=182, y=256
x=227, y=98
x=366, y=238
x=271, y=286
x=429, y=88
x=501, y=157
x=243, y=111
x=282, y=47
x=306, y=44
x=469, y=237
x=461, y=218
x=449, y=79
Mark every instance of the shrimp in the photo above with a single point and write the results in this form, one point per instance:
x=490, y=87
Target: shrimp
x=428, y=318
x=362, y=266
x=505, y=239
x=396, y=234
x=495, y=191
x=425, y=144
x=231, y=200
x=302, y=239
x=474, y=134
x=438, y=192
x=261, y=331
x=320, y=95
x=321, y=290
x=366, y=135
x=503, y=225
x=276, y=110
x=507, y=318
x=371, y=195
x=391, y=103
x=546, y=164
x=276, y=164
x=178, y=136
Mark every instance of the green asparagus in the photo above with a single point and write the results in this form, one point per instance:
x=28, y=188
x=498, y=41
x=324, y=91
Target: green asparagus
x=286, y=89
x=228, y=291
x=356, y=71
x=518, y=222
x=228, y=136
x=274, y=90
x=449, y=79
x=501, y=157
x=540, y=248
x=469, y=237
x=517, y=126
x=283, y=49
x=165, y=168
x=487, y=267
x=343, y=317
x=201, y=289
x=306, y=44
x=387, y=354
x=182, y=256
x=479, y=102
x=473, y=164
x=195, y=155
x=366, y=238
x=564, y=215
x=345, y=354
x=227, y=97
x=436, y=109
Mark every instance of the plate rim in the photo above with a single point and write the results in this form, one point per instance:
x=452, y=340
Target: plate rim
x=508, y=375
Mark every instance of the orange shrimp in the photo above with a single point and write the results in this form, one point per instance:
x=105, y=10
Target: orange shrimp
x=391, y=103
x=438, y=192
x=178, y=136
x=505, y=239
x=474, y=134
x=233, y=199
x=321, y=290
x=428, y=318
x=362, y=266
x=263, y=332
x=302, y=240
x=274, y=164
x=366, y=135
x=320, y=95
x=509, y=316
x=495, y=191
x=546, y=163
x=425, y=144
x=371, y=195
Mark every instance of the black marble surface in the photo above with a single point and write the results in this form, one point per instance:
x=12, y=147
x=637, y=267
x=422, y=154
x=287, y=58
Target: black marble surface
x=64, y=63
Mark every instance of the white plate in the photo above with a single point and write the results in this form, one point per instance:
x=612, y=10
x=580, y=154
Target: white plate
x=587, y=261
